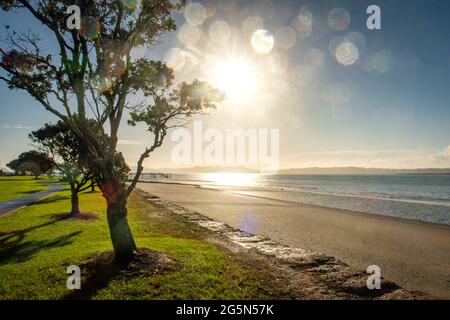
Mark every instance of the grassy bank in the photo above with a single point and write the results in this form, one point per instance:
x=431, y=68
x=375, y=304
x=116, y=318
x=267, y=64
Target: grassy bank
x=16, y=187
x=36, y=247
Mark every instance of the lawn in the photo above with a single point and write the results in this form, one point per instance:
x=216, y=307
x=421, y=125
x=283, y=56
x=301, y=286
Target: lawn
x=36, y=247
x=16, y=187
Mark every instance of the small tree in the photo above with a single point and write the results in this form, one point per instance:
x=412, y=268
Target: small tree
x=36, y=162
x=65, y=149
x=94, y=68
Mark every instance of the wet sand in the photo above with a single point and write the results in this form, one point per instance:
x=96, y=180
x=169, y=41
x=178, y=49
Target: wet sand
x=413, y=254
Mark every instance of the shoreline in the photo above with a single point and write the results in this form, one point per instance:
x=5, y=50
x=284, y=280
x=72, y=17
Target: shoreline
x=237, y=190
x=414, y=254
x=349, y=211
x=310, y=275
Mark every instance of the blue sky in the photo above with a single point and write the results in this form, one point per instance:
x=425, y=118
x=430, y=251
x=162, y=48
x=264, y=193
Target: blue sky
x=388, y=107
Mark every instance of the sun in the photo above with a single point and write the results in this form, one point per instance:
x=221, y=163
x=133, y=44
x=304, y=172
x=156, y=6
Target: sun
x=238, y=78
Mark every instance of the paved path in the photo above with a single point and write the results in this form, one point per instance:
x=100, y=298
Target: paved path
x=15, y=204
x=415, y=255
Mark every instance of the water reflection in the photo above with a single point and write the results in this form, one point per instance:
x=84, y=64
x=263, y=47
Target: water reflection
x=230, y=179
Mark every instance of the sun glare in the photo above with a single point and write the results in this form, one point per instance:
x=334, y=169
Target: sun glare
x=238, y=78
x=231, y=178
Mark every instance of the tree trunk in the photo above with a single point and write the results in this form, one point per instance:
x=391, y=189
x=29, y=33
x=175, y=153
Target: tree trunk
x=74, y=201
x=121, y=236
x=75, y=205
x=92, y=185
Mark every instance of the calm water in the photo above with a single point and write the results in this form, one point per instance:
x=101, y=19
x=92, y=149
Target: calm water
x=419, y=197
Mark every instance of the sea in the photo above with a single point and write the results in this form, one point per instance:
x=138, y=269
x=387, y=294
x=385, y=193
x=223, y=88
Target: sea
x=422, y=197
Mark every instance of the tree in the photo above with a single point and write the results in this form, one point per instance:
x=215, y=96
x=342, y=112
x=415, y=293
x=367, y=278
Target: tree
x=14, y=165
x=94, y=68
x=30, y=166
x=65, y=149
x=36, y=162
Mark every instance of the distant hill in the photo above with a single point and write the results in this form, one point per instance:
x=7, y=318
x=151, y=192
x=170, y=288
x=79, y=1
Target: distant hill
x=358, y=170
x=317, y=170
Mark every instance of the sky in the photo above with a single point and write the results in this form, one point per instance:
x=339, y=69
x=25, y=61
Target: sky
x=339, y=93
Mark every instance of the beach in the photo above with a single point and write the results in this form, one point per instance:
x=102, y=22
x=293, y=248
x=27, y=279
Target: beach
x=414, y=254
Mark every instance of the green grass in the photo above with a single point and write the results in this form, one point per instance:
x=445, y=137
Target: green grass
x=36, y=248
x=16, y=187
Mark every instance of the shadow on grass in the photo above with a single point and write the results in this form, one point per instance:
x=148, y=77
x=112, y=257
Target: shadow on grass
x=52, y=199
x=83, y=216
x=14, y=248
x=100, y=269
x=29, y=191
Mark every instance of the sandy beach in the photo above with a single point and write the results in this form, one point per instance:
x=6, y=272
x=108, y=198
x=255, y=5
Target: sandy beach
x=413, y=254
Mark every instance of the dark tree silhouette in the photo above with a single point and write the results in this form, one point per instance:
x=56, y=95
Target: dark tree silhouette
x=93, y=75
x=36, y=162
x=14, y=165
x=30, y=166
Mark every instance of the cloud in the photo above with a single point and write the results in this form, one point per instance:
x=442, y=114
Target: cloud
x=130, y=142
x=442, y=156
x=15, y=127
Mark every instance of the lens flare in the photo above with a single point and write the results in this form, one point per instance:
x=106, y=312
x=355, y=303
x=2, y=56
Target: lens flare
x=251, y=24
x=90, y=28
x=303, y=23
x=210, y=9
x=338, y=19
x=189, y=34
x=220, y=32
x=337, y=93
x=249, y=223
x=176, y=58
x=347, y=53
x=315, y=59
x=262, y=41
x=195, y=14
x=383, y=61
x=285, y=37
x=263, y=9
x=357, y=39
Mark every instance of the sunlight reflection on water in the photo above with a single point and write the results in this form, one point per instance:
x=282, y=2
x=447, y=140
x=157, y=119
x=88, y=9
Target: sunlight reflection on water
x=231, y=179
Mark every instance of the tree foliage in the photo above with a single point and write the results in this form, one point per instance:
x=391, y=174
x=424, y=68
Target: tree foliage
x=36, y=162
x=66, y=150
x=95, y=75
x=95, y=66
x=30, y=166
